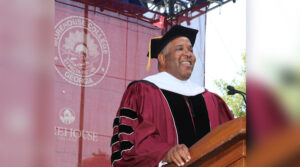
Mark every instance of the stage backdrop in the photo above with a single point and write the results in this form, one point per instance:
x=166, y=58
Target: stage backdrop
x=97, y=53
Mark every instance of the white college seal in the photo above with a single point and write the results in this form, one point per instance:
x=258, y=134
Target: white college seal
x=82, y=54
x=67, y=116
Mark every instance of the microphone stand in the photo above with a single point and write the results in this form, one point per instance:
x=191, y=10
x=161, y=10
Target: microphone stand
x=232, y=91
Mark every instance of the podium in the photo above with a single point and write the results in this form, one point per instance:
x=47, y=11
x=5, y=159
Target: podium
x=225, y=146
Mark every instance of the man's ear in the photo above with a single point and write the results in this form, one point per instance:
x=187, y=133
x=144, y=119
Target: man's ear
x=162, y=60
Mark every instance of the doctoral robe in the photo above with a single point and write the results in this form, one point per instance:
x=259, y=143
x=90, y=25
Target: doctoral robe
x=144, y=128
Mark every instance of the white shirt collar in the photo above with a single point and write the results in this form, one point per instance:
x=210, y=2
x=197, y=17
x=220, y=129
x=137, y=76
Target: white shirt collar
x=168, y=82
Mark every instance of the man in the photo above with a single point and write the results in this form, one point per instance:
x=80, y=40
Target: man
x=161, y=116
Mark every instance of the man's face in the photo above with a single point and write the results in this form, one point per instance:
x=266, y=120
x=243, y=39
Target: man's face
x=180, y=60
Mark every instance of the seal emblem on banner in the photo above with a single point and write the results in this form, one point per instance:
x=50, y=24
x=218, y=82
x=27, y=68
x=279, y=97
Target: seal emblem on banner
x=82, y=54
x=67, y=116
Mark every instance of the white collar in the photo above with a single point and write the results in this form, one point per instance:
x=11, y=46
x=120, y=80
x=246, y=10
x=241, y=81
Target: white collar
x=168, y=82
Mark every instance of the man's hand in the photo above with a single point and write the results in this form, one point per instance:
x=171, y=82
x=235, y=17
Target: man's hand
x=178, y=154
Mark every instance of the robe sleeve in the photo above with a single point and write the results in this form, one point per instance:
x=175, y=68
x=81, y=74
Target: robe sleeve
x=136, y=140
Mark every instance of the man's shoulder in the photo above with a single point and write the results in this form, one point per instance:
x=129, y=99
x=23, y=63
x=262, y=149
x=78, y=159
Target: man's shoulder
x=141, y=83
x=207, y=92
x=210, y=94
x=142, y=88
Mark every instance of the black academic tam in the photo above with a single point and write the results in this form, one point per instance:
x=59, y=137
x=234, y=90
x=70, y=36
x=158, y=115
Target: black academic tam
x=158, y=43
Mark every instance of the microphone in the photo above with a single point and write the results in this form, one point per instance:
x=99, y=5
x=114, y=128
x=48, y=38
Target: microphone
x=232, y=91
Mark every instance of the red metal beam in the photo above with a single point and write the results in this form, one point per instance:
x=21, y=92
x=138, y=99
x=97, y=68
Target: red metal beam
x=134, y=11
x=123, y=8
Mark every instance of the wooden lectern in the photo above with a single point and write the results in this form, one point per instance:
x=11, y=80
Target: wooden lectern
x=225, y=146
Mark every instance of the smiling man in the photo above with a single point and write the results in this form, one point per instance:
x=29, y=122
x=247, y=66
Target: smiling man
x=163, y=115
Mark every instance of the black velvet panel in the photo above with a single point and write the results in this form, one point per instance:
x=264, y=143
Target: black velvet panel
x=114, y=139
x=116, y=156
x=201, y=116
x=125, y=112
x=116, y=122
x=187, y=133
x=124, y=145
x=125, y=129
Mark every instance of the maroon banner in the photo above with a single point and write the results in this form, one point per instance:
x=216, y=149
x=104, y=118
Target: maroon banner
x=97, y=53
